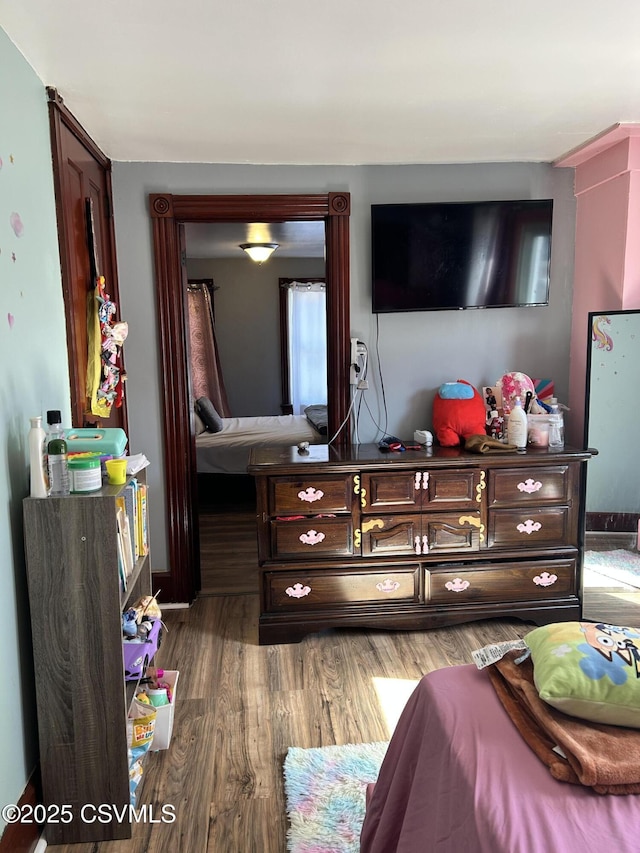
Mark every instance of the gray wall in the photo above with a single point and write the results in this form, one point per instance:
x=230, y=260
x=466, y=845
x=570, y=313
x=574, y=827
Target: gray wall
x=416, y=352
x=247, y=311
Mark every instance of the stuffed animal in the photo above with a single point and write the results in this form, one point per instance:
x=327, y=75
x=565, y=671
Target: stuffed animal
x=458, y=412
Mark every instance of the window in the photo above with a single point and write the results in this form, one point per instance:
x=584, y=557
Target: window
x=303, y=323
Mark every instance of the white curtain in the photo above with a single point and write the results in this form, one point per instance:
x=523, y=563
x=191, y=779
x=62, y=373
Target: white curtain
x=307, y=308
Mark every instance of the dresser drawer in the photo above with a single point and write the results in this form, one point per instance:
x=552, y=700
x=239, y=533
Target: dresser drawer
x=531, y=527
x=496, y=582
x=309, y=538
x=340, y=587
x=313, y=494
x=389, y=491
x=408, y=534
x=543, y=485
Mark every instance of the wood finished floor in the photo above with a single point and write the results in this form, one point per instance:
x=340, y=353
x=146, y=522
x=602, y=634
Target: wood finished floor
x=240, y=705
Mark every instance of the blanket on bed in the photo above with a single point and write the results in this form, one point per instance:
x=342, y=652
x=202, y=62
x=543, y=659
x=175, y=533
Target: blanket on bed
x=605, y=758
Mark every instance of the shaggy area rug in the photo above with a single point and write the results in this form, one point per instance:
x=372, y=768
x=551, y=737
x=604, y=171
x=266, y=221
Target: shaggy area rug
x=619, y=565
x=325, y=789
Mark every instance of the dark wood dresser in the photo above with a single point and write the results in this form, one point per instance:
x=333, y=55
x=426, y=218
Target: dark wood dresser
x=353, y=537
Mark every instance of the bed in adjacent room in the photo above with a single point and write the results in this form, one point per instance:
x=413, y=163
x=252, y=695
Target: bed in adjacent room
x=226, y=451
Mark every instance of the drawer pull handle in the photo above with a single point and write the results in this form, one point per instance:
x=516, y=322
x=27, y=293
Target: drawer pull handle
x=457, y=585
x=421, y=547
x=545, y=579
x=387, y=585
x=297, y=590
x=425, y=480
x=481, y=485
x=418, y=477
x=310, y=494
x=529, y=486
x=530, y=526
x=311, y=537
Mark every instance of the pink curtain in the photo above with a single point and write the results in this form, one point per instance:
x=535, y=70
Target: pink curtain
x=206, y=373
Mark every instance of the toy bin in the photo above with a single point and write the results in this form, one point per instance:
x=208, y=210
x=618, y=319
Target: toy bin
x=138, y=655
x=110, y=441
x=164, y=718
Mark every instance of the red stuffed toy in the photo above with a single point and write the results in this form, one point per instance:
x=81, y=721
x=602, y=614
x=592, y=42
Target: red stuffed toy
x=458, y=412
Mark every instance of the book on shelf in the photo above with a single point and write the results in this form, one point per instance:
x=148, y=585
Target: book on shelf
x=122, y=572
x=124, y=537
x=143, y=540
x=131, y=507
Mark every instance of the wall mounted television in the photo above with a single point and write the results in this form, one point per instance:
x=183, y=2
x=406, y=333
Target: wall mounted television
x=456, y=255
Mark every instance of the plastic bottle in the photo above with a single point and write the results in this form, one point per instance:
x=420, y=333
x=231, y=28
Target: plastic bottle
x=517, y=425
x=556, y=426
x=57, y=457
x=37, y=437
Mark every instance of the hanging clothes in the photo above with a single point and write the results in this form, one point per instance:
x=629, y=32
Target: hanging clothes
x=206, y=372
x=105, y=339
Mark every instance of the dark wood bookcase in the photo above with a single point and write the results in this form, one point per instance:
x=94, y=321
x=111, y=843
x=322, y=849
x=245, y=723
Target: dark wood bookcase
x=76, y=604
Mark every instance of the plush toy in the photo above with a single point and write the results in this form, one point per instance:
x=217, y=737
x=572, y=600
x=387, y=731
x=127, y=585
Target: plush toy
x=458, y=412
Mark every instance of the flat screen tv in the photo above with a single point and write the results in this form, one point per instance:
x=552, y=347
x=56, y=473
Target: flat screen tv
x=452, y=255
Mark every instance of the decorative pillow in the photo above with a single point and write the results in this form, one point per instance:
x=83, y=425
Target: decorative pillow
x=206, y=410
x=200, y=424
x=588, y=670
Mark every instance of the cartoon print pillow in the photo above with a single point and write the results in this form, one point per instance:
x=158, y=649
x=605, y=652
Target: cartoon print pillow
x=588, y=670
x=458, y=412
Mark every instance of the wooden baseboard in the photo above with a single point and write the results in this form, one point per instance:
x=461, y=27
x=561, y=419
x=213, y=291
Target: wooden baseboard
x=23, y=837
x=612, y=522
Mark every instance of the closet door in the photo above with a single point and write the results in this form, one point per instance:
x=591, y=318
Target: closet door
x=81, y=171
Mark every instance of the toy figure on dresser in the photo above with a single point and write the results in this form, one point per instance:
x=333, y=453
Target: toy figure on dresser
x=495, y=425
x=459, y=418
x=458, y=412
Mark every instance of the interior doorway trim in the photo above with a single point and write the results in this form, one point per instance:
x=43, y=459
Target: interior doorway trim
x=168, y=213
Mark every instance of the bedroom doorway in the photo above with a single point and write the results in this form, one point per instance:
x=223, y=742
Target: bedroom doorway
x=169, y=213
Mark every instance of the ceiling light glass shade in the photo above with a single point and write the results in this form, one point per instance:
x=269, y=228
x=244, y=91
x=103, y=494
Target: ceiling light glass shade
x=259, y=252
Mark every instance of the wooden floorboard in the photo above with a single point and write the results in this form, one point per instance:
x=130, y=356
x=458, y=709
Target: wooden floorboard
x=240, y=706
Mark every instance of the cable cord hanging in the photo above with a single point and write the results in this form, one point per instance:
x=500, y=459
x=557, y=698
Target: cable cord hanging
x=346, y=417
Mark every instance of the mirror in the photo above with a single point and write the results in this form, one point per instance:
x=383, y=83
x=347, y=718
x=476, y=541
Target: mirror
x=611, y=426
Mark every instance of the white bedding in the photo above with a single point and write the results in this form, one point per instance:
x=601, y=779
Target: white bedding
x=227, y=451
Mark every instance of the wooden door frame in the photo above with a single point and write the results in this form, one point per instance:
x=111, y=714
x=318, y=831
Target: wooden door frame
x=60, y=117
x=168, y=212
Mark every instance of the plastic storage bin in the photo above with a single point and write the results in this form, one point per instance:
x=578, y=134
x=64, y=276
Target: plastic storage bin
x=165, y=713
x=107, y=442
x=538, y=430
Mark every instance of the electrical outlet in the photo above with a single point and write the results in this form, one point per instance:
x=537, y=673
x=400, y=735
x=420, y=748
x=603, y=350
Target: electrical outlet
x=354, y=351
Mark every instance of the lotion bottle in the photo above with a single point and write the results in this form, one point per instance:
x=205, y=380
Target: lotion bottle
x=37, y=437
x=517, y=426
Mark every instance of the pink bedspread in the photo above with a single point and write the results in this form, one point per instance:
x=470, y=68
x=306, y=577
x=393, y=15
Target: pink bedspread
x=458, y=778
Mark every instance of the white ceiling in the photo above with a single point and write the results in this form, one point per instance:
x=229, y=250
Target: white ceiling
x=336, y=81
x=222, y=239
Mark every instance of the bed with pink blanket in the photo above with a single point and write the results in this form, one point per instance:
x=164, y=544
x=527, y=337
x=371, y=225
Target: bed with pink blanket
x=459, y=778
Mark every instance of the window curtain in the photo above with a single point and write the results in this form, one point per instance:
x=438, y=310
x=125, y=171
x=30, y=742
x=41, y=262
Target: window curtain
x=307, y=309
x=206, y=373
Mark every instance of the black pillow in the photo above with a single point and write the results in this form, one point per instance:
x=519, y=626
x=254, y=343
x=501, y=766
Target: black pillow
x=317, y=417
x=206, y=410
